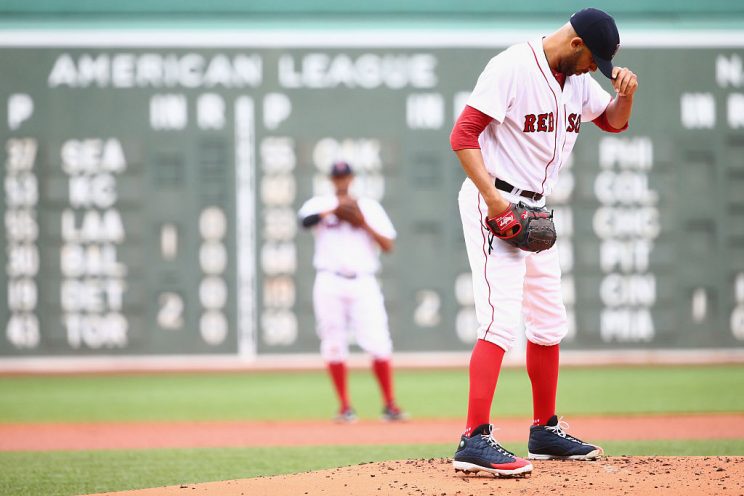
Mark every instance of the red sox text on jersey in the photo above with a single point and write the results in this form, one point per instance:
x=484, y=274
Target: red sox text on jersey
x=545, y=123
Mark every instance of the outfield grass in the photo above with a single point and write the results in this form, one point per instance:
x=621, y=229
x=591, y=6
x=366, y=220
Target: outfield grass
x=308, y=395
x=66, y=473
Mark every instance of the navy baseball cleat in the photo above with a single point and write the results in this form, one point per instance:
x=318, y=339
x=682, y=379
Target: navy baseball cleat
x=394, y=414
x=346, y=416
x=551, y=442
x=482, y=453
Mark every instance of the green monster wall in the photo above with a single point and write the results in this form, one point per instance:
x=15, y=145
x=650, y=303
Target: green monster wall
x=151, y=182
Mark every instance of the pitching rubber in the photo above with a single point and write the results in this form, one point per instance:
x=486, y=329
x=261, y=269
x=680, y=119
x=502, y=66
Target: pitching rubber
x=471, y=467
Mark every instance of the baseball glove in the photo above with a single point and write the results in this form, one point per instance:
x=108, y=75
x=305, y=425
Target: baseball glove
x=527, y=228
x=349, y=211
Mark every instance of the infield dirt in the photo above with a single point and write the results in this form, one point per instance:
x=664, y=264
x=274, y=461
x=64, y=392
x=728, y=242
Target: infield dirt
x=150, y=435
x=678, y=476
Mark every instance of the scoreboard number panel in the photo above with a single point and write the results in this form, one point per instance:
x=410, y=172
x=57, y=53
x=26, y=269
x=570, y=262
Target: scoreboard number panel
x=151, y=183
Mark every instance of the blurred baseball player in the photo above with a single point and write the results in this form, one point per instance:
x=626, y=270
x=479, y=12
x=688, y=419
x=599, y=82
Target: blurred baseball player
x=514, y=135
x=349, y=234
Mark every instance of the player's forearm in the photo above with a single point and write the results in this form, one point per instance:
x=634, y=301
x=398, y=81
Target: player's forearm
x=619, y=110
x=625, y=83
x=313, y=219
x=386, y=244
x=472, y=163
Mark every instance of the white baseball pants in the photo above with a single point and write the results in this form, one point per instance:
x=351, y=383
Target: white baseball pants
x=508, y=281
x=344, y=305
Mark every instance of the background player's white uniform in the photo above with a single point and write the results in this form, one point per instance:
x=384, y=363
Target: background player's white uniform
x=346, y=294
x=533, y=132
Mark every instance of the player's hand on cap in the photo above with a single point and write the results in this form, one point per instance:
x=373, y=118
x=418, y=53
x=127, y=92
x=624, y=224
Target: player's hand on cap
x=624, y=81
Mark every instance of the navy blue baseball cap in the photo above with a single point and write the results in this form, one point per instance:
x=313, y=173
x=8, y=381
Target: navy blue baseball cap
x=599, y=32
x=341, y=168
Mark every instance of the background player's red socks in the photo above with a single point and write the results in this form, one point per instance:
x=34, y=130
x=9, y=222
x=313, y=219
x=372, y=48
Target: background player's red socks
x=384, y=375
x=485, y=366
x=338, y=375
x=542, y=367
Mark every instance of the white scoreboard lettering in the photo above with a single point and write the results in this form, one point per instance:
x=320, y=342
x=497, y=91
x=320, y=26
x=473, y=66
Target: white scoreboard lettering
x=149, y=194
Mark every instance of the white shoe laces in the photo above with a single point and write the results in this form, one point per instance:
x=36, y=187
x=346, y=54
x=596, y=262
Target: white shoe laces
x=560, y=429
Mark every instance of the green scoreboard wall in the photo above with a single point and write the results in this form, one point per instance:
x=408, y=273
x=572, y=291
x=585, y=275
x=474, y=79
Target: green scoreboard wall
x=151, y=182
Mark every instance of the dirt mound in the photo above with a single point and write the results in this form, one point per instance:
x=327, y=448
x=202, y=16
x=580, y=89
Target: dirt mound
x=678, y=476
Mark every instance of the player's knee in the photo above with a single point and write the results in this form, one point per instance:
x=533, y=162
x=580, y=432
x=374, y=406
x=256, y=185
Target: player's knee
x=501, y=338
x=379, y=345
x=547, y=337
x=382, y=353
x=378, y=348
x=334, y=350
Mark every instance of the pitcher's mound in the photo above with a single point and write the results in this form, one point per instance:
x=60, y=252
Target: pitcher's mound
x=678, y=476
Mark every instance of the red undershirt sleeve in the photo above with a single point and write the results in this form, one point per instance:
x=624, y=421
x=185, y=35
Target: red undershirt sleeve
x=604, y=124
x=468, y=127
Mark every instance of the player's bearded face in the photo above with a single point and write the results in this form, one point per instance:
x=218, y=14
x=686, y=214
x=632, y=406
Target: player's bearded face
x=578, y=62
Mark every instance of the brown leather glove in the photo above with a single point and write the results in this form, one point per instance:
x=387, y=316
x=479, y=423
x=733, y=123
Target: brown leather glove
x=527, y=228
x=348, y=211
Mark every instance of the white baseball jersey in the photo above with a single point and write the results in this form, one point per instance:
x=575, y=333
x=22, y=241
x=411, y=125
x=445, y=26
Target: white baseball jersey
x=339, y=247
x=536, y=122
x=346, y=294
x=535, y=126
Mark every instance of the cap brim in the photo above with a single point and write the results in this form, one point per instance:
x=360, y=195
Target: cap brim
x=604, y=65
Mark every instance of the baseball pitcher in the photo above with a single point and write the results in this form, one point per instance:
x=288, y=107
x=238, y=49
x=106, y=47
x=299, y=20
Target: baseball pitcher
x=514, y=135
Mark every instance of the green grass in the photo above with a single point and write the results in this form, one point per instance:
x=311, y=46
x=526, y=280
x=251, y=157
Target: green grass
x=67, y=473
x=308, y=395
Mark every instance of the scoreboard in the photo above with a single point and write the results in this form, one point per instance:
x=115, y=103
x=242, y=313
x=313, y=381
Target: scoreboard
x=151, y=182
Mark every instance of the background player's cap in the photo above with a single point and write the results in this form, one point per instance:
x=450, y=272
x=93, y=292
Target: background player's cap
x=599, y=32
x=341, y=168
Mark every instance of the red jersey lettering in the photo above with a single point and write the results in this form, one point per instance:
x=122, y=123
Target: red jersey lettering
x=541, y=123
x=574, y=123
x=529, y=123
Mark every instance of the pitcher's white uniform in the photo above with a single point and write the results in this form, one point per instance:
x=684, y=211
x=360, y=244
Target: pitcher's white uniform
x=534, y=128
x=346, y=294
